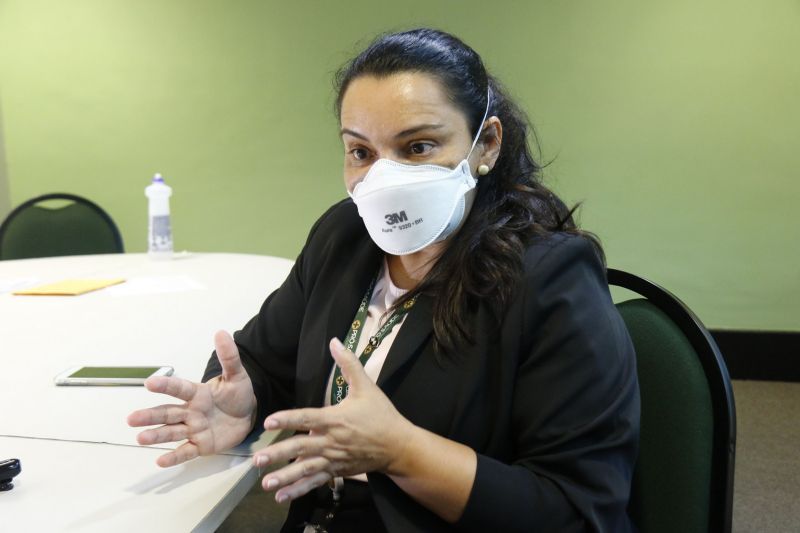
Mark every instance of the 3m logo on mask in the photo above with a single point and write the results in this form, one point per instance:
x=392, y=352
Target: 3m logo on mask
x=396, y=218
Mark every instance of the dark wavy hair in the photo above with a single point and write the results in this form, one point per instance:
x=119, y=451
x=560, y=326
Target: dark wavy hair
x=483, y=261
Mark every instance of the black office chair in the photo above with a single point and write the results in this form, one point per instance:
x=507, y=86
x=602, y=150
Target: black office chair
x=78, y=228
x=683, y=480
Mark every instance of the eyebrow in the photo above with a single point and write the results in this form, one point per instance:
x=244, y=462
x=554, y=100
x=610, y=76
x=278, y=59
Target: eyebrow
x=404, y=133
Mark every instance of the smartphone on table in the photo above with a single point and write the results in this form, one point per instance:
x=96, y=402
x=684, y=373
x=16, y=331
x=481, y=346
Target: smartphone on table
x=110, y=375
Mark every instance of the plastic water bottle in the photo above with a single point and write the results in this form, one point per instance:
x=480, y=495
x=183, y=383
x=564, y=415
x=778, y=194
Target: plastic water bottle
x=159, y=234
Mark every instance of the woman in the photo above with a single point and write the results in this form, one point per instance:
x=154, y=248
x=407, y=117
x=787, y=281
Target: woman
x=506, y=395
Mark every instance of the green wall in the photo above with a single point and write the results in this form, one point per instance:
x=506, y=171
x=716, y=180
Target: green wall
x=5, y=200
x=676, y=123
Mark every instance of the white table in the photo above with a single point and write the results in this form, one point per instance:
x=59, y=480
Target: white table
x=81, y=467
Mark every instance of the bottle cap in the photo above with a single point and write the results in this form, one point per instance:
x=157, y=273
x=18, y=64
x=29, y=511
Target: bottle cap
x=157, y=178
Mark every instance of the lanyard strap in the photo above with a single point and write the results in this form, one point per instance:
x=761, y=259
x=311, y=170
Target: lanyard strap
x=339, y=388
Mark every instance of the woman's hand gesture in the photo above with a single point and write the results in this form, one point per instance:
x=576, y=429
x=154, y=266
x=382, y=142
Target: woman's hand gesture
x=214, y=416
x=364, y=433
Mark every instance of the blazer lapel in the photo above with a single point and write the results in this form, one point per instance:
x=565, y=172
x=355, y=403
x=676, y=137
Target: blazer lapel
x=362, y=267
x=347, y=296
x=416, y=329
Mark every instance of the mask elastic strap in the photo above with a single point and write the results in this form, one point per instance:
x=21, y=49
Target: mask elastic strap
x=480, y=128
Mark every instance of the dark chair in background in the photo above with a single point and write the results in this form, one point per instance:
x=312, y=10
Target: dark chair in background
x=77, y=228
x=683, y=480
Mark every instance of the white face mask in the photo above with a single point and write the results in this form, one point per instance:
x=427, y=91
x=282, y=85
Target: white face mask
x=408, y=207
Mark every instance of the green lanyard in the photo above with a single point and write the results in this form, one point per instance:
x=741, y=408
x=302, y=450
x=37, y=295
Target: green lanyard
x=339, y=388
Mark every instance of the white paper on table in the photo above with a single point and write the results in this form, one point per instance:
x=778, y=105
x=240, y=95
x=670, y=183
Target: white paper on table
x=8, y=285
x=154, y=285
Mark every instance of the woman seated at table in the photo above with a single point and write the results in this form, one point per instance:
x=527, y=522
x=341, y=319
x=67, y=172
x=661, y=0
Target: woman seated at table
x=483, y=381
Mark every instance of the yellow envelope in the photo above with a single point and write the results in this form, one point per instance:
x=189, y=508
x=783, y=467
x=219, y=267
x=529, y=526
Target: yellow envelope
x=69, y=287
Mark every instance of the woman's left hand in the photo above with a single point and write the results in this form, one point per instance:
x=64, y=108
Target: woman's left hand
x=364, y=433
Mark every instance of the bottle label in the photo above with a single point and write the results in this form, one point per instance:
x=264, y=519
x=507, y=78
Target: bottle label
x=160, y=234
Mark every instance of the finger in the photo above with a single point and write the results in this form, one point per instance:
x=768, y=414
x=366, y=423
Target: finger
x=228, y=355
x=295, y=471
x=289, y=449
x=301, y=487
x=163, y=414
x=170, y=433
x=181, y=454
x=297, y=419
x=180, y=388
x=352, y=369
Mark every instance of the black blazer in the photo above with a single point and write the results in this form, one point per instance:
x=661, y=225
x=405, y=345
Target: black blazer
x=549, y=402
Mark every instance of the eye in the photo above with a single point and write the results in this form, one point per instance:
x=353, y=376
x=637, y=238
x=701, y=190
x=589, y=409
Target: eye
x=359, y=154
x=420, y=148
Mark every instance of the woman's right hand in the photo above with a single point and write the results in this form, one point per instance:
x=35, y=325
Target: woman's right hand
x=215, y=416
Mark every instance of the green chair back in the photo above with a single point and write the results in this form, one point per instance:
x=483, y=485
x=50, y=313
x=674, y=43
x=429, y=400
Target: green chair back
x=76, y=226
x=683, y=479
